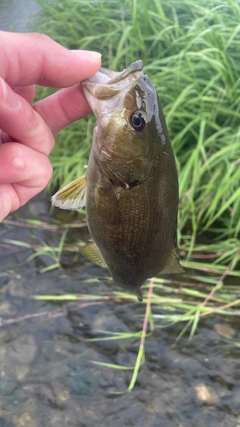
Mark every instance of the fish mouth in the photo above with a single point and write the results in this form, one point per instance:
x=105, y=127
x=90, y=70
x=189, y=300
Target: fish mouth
x=116, y=77
x=106, y=84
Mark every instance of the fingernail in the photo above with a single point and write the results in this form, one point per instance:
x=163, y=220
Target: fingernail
x=8, y=97
x=87, y=54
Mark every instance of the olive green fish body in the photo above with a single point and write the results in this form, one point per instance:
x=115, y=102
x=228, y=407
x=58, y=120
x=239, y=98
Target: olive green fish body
x=135, y=227
x=131, y=181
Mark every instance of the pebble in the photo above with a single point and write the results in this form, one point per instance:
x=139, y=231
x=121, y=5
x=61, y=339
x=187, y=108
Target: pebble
x=25, y=420
x=64, y=396
x=21, y=372
x=206, y=394
x=25, y=348
x=6, y=308
x=16, y=288
x=224, y=330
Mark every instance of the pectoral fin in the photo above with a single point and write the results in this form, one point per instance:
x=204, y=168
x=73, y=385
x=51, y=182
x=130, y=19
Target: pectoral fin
x=92, y=252
x=72, y=196
x=173, y=265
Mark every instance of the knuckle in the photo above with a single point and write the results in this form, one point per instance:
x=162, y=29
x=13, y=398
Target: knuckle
x=42, y=38
x=36, y=134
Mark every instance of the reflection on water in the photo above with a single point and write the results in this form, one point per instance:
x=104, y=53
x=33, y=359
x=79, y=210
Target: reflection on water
x=46, y=374
x=15, y=15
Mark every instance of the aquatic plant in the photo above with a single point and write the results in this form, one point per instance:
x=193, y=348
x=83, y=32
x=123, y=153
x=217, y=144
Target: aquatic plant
x=209, y=287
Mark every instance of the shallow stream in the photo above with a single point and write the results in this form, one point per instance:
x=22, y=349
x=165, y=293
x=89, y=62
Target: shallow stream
x=47, y=374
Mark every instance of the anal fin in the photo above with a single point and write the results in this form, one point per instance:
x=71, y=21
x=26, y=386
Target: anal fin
x=92, y=252
x=173, y=265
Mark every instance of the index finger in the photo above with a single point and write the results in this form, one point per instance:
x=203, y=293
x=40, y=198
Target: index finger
x=32, y=58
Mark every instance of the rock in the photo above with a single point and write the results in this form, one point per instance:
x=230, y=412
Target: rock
x=16, y=287
x=224, y=330
x=64, y=396
x=25, y=348
x=21, y=372
x=206, y=394
x=6, y=309
x=25, y=420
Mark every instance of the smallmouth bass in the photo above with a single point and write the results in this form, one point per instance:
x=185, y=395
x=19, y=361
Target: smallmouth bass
x=130, y=189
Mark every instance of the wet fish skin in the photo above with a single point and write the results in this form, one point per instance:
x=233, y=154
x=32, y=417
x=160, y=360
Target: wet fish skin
x=131, y=181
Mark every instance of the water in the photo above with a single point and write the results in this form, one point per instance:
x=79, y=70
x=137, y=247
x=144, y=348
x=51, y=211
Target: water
x=47, y=377
x=46, y=369
x=15, y=15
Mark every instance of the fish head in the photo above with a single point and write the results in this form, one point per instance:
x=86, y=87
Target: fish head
x=126, y=107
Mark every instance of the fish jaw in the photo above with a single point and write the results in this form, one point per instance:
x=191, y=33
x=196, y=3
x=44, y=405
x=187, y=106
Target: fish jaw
x=110, y=86
x=109, y=77
x=114, y=98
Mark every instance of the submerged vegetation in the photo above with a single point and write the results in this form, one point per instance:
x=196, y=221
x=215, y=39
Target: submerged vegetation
x=190, y=51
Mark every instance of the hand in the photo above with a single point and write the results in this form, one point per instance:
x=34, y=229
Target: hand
x=26, y=132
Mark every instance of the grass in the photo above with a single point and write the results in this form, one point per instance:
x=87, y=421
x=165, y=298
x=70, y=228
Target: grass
x=191, y=53
x=190, y=50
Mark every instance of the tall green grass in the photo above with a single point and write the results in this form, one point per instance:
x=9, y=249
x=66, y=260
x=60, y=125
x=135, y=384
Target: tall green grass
x=190, y=50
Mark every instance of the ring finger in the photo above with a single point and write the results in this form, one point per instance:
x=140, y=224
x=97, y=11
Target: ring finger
x=22, y=123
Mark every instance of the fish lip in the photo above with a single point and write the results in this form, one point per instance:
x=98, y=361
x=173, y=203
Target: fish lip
x=114, y=77
x=105, y=84
x=131, y=69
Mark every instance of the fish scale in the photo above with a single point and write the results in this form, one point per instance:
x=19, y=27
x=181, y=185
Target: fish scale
x=131, y=186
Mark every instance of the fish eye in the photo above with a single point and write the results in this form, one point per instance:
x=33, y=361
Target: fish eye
x=137, y=120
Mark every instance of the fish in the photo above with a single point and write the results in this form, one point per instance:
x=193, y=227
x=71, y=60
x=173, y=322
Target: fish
x=130, y=189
